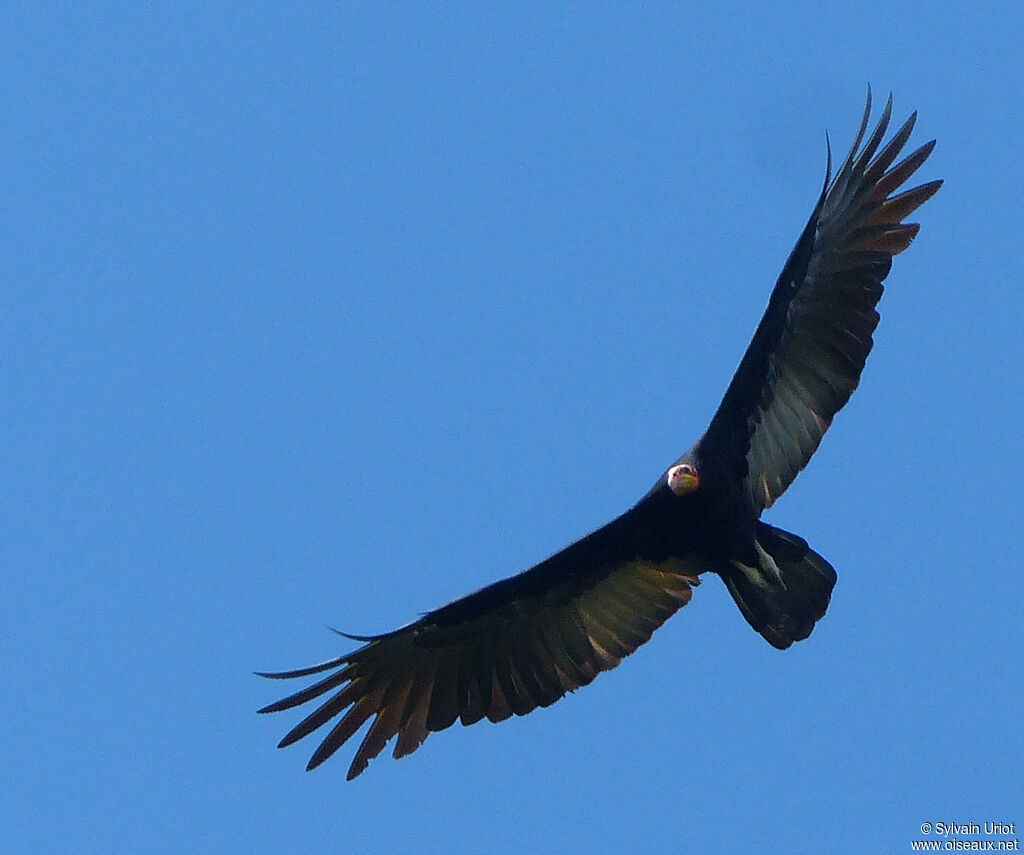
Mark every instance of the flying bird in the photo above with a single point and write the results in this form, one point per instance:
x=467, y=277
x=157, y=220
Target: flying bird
x=523, y=642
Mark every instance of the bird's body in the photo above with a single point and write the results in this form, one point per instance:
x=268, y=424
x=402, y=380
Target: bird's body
x=525, y=641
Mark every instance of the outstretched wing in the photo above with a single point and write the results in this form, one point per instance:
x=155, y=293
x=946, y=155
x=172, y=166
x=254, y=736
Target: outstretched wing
x=509, y=648
x=808, y=352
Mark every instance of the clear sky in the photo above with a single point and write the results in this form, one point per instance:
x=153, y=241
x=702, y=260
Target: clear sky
x=329, y=316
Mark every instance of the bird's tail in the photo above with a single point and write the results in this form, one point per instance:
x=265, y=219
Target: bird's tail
x=787, y=593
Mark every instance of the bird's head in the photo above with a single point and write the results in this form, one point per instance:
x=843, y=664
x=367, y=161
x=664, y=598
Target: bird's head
x=682, y=478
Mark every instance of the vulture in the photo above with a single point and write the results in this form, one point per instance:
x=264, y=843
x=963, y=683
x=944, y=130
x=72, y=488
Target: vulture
x=523, y=642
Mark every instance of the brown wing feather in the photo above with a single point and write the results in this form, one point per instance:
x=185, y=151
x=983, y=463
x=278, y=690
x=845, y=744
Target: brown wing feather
x=809, y=350
x=508, y=649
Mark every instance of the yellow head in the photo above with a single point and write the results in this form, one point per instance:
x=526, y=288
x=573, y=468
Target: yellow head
x=683, y=478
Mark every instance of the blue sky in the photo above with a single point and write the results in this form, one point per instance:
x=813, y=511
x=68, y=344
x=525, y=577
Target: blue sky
x=329, y=316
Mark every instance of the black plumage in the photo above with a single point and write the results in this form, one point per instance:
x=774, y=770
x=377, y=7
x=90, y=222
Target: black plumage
x=525, y=641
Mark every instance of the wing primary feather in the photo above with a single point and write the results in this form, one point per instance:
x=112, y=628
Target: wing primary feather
x=874, y=170
x=385, y=725
x=843, y=173
x=351, y=637
x=310, y=692
x=304, y=672
x=351, y=722
x=902, y=171
x=891, y=240
x=875, y=140
x=353, y=692
x=412, y=731
x=897, y=208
